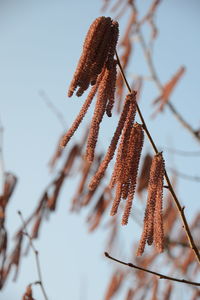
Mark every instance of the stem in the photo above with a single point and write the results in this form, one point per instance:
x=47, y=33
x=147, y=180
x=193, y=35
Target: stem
x=161, y=276
x=182, y=152
x=157, y=81
x=53, y=108
x=179, y=207
x=184, y=176
x=36, y=253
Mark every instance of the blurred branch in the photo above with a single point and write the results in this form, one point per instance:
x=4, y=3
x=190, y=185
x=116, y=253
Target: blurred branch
x=184, y=176
x=161, y=276
x=36, y=253
x=181, y=152
x=53, y=108
x=152, y=69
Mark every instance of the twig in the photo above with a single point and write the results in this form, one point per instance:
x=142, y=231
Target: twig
x=53, y=108
x=152, y=69
x=184, y=176
x=168, y=241
x=36, y=253
x=181, y=152
x=179, y=207
x=161, y=276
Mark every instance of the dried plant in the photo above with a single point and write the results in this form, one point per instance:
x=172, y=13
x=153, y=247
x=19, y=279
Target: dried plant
x=98, y=51
x=97, y=69
x=126, y=168
x=128, y=110
x=153, y=220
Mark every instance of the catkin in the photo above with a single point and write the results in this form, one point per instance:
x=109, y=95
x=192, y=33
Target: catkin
x=131, y=167
x=98, y=50
x=66, y=138
x=129, y=101
x=153, y=220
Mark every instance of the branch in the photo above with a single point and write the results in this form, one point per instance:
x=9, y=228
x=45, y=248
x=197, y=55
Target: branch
x=36, y=253
x=161, y=276
x=170, y=187
x=152, y=69
x=181, y=152
x=53, y=108
x=183, y=175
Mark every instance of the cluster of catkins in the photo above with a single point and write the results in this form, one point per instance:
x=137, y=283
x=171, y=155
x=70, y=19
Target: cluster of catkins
x=97, y=67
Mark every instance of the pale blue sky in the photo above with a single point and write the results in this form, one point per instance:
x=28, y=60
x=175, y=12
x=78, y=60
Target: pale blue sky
x=40, y=45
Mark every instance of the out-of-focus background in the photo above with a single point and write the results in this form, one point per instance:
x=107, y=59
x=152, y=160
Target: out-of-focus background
x=40, y=44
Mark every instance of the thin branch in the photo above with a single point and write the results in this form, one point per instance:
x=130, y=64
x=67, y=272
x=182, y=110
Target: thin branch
x=181, y=152
x=53, y=108
x=168, y=241
x=161, y=276
x=170, y=187
x=36, y=253
x=152, y=69
x=183, y=175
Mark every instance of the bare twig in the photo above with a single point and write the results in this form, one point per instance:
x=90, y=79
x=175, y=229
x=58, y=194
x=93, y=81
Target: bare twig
x=183, y=175
x=36, y=253
x=181, y=152
x=179, y=207
x=152, y=69
x=161, y=276
x=53, y=108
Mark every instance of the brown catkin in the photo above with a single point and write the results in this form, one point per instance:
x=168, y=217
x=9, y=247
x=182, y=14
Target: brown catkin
x=28, y=294
x=144, y=175
x=99, y=44
x=131, y=167
x=111, y=150
x=122, y=149
x=155, y=191
x=93, y=35
x=112, y=85
x=66, y=138
x=106, y=50
x=158, y=217
x=153, y=220
x=117, y=199
x=143, y=240
x=99, y=111
x=113, y=41
x=93, y=51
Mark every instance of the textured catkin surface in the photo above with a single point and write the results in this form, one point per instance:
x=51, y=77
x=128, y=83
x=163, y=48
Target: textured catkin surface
x=153, y=220
x=98, y=50
x=98, y=68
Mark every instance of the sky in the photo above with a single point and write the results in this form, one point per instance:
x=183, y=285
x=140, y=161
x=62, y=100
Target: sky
x=40, y=45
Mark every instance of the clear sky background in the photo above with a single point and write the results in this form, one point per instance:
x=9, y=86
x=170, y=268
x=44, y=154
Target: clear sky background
x=40, y=45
